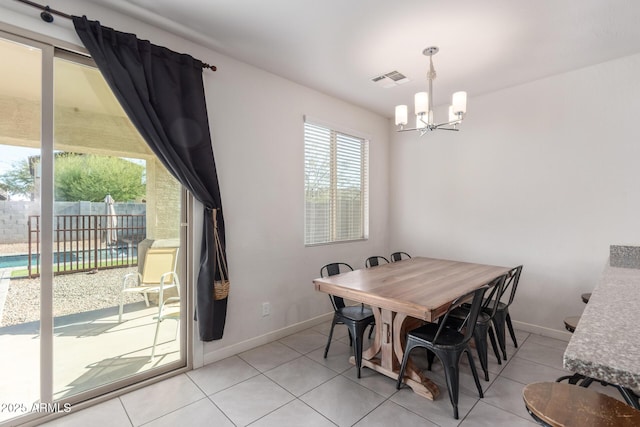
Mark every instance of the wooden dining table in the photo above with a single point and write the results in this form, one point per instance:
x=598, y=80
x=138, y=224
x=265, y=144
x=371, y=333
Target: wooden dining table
x=403, y=295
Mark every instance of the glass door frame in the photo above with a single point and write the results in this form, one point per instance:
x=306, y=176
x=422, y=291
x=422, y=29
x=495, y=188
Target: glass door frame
x=52, y=48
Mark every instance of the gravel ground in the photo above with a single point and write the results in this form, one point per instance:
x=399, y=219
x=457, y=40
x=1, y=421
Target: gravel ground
x=72, y=293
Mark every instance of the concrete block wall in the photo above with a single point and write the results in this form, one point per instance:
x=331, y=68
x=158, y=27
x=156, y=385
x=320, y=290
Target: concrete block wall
x=14, y=215
x=13, y=220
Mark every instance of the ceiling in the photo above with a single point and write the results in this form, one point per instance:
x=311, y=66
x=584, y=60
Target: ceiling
x=337, y=46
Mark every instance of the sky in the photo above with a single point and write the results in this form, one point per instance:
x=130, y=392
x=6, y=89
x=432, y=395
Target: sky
x=10, y=155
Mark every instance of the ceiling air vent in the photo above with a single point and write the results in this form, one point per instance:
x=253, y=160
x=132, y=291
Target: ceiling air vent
x=391, y=79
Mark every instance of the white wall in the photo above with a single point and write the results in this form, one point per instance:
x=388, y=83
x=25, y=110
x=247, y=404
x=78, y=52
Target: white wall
x=258, y=142
x=257, y=130
x=543, y=174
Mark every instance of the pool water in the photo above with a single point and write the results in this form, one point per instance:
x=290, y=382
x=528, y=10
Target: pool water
x=22, y=260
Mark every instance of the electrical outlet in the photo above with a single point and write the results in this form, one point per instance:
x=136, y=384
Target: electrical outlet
x=266, y=309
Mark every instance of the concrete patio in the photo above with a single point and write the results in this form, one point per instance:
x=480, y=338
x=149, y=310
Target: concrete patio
x=90, y=349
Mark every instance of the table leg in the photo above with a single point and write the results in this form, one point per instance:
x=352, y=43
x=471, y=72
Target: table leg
x=385, y=354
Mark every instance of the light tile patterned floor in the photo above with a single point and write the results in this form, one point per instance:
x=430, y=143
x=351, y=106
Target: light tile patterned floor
x=289, y=383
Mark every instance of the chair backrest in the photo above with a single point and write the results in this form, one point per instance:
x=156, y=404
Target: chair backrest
x=512, y=283
x=158, y=261
x=399, y=256
x=490, y=303
x=374, y=261
x=469, y=323
x=331, y=270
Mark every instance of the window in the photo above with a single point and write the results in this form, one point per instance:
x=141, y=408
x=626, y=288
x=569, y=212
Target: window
x=336, y=175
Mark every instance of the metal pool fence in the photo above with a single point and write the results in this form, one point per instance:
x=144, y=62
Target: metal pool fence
x=88, y=242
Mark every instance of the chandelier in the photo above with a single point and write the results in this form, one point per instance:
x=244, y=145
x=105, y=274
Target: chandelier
x=423, y=102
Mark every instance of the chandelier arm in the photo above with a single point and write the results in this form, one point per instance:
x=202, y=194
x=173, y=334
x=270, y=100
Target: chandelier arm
x=451, y=123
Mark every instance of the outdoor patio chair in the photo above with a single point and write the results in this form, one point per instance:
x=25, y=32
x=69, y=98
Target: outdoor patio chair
x=168, y=308
x=159, y=270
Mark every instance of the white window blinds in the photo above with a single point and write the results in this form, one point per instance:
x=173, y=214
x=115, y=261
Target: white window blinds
x=335, y=185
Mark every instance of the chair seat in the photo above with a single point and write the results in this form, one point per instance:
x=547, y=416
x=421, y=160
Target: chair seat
x=501, y=306
x=356, y=313
x=461, y=313
x=559, y=404
x=570, y=323
x=449, y=337
x=139, y=289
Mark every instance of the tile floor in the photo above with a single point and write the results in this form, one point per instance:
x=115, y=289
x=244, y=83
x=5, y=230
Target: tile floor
x=288, y=383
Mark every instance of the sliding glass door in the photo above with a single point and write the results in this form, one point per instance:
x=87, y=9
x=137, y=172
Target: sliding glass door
x=99, y=230
x=20, y=136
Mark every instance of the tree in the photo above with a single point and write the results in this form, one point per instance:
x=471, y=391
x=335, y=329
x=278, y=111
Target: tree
x=79, y=177
x=19, y=180
x=90, y=178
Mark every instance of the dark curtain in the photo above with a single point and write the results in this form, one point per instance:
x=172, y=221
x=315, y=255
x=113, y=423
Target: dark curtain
x=163, y=94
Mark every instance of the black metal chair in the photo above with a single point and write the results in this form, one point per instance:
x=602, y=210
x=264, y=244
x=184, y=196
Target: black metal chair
x=483, y=323
x=374, y=261
x=502, y=319
x=447, y=342
x=355, y=318
x=399, y=256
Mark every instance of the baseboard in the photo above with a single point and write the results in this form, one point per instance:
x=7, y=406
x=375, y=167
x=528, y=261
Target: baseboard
x=541, y=330
x=234, y=349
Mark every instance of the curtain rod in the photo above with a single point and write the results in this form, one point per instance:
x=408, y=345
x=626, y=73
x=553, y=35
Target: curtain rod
x=46, y=17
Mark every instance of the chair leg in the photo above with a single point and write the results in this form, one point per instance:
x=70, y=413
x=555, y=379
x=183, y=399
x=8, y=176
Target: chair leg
x=358, y=335
x=121, y=309
x=326, y=349
x=474, y=371
x=452, y=376
x=494, y=345
x=430, y=356
x=511, y=331
x=373, y=325
x=155, y=339
x=408, y=347
x=586, y=382
x=358, y=355
x=573, y=379
x=480, y=338
x=146, y=298
x=629, y=396
x=499, y=323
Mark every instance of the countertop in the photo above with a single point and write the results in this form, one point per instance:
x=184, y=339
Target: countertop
x=606, y=343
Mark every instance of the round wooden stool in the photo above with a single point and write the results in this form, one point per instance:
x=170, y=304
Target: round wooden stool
x=571, y=322
x=585, y=297
x=556, y=405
